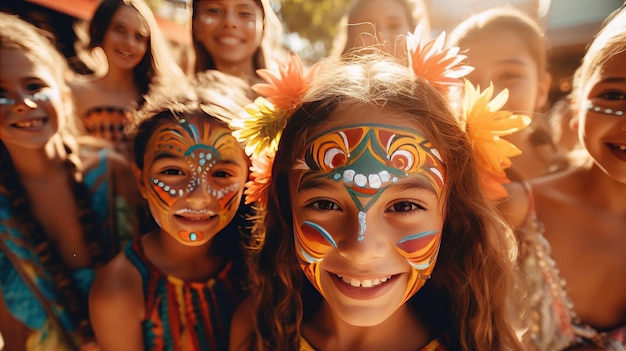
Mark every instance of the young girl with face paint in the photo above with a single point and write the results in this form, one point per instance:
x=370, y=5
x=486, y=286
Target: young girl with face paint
x=236, y=37
x=518, y=63
x=178, y=285
x=574, y=223
x=63, y=209
x=136, y=59
x=376, y=234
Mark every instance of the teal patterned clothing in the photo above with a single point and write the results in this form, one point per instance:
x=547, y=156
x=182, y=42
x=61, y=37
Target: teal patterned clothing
x=113, y=201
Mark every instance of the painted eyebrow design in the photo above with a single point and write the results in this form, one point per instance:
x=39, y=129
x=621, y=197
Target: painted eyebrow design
x=316, y=183
x=166, y=155
x=411, y=183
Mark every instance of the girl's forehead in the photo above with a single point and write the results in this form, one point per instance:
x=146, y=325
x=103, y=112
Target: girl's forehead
x=19, y=65
x=352, y=116
x=195, y=128
x=256, y=3
x=129, y=16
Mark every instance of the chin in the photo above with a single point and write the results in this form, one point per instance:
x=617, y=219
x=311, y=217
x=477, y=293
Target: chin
x=365, y=317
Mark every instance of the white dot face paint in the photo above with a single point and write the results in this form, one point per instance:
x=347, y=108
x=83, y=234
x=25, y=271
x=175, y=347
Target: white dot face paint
x=194, y=174
x=32, y=108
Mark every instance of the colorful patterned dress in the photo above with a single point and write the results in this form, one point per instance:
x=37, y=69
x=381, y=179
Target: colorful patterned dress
x=182, y=315
x=116, y=217
x=108, y=123
x=554, y=322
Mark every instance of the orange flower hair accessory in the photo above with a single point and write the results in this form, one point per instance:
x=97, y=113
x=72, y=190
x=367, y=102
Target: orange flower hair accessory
x=261, y=126
x=441, y=67
x=260, y=175
x=484, y=124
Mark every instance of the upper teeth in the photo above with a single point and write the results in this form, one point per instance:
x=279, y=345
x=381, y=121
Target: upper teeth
x=29, y=124
x=622, y=147
x=188, y=210
x=367, y=283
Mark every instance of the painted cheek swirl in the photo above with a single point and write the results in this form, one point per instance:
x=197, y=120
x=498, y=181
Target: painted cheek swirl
x=421, y=251
x=312, y=243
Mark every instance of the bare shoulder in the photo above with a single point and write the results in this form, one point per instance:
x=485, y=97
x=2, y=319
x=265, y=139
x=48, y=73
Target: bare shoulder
x=94, y=151
x=82, y=91
x=515, y=208
x=562, y=187
x=117, y=290
x=116, y=306
x=118, y=278
x=242, y=327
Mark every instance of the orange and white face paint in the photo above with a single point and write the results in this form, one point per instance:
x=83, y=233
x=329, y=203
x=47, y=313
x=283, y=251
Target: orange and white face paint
x=193, y=178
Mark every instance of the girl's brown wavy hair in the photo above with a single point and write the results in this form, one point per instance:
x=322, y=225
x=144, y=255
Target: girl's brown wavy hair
x=471, y=290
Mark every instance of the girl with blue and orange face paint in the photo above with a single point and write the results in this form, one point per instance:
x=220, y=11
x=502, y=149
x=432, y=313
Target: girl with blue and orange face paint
x=368, y=161
x=193, y=176
x=178, y=284
x=377, y=228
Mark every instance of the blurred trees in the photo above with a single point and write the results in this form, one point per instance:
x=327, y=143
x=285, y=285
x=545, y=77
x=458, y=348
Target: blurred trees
x=314, y=21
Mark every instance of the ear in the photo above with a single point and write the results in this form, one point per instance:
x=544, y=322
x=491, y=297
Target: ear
x=543, y=90
x=573, y=123
x=68, y=102
x=139, y=180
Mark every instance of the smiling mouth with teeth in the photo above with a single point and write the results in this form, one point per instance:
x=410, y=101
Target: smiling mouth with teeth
x=124, y=54
x=29, y=124
x=618, y=147
x=195, y=215
x=367, y=283
x=195, y=218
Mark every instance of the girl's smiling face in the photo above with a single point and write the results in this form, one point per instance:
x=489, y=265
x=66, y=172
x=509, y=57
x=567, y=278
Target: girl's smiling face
x=602, y=122
x=33, y=106
x=230, y=30
x=367, y=211
x=193, y=178
x=125, y=41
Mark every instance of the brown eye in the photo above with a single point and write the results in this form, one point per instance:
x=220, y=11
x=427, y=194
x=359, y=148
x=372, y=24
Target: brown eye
x=172, y=171
x=404, y=206
x=324, y=205
x=613, y=95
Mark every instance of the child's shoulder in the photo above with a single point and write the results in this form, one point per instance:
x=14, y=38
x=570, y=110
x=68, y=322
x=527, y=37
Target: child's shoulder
x=242, y=326
x=118, y=283
x=95, y=153
x=517, y=206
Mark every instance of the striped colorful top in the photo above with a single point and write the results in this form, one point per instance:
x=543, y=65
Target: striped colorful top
x=183, y=315
x=108, y=123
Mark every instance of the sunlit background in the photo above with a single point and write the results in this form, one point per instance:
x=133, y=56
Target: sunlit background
x=311, y=25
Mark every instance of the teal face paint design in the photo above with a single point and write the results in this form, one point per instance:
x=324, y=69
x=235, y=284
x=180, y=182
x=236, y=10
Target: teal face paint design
x=370, y=158
x=366, y=161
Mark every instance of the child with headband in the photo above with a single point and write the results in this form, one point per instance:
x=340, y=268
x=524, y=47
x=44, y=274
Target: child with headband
x=377, y=228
